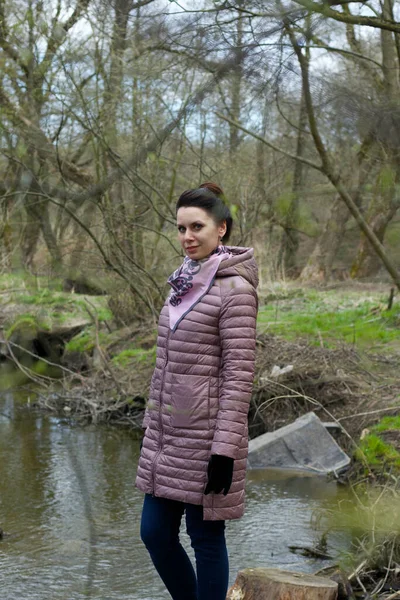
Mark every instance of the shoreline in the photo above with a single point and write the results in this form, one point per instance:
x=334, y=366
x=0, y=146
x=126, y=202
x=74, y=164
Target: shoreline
x=326, y=350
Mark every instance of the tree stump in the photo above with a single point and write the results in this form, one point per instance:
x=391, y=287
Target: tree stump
x=274, y=584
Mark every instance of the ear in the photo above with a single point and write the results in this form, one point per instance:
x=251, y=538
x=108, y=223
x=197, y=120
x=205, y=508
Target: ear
x=222, y=229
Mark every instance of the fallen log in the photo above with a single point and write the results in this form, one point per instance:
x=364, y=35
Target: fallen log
x=310, y=552
x=274, y=584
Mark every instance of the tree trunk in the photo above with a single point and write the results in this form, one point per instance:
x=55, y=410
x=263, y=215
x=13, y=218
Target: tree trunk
x=367, y=263
x=31, y=234
x=319, y=264
x=6, y=237
x=390, y=65
x=328, y=165
x=38, y=208
x=274, y=584
x=112, y=96
x=81, y=239
x=290, y=236
x=382, y=207
x=236, y=85
x=263, y=198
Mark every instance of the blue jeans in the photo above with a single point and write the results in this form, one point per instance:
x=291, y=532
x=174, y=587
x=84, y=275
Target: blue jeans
x=159, y=531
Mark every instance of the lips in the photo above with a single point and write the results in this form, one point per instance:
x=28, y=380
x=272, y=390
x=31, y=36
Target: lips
x=191, y=248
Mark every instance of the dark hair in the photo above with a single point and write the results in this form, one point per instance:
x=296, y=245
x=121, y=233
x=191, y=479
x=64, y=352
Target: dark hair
x=209, y=196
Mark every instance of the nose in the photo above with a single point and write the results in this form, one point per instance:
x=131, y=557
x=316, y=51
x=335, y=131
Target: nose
x=188, y=236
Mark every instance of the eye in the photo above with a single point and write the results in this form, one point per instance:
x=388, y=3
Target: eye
x=181, y=229
x=197, y=226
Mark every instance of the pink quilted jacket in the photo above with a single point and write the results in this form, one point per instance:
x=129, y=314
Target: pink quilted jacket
x=200, y=393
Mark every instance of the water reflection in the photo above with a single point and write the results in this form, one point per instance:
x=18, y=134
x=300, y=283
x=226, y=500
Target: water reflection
x=69, y=501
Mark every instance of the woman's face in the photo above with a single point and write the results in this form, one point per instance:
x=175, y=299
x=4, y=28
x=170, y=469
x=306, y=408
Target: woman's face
x=198, y=233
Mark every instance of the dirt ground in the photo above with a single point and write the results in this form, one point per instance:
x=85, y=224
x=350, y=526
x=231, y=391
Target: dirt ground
x=344, y=384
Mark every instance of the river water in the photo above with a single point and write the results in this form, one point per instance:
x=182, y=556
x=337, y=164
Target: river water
x=69, y=505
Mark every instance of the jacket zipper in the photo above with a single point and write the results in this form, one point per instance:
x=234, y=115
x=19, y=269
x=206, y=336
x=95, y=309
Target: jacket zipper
x=160, y=418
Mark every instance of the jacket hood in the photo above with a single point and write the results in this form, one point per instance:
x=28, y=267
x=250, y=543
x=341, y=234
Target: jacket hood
x=240, y=262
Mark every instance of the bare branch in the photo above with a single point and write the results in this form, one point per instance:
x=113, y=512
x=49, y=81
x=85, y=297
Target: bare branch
x=307, y=162
x=348, y=17
x=57, y=38
x=35, y=136
x=327, y=164
x=5, y=44
x=188, y=107
x=106, y=259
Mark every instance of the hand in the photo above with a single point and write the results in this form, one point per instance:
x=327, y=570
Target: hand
x=220, y=473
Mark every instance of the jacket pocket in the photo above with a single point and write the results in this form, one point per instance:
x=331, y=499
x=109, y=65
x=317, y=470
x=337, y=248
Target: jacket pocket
x=190, y=399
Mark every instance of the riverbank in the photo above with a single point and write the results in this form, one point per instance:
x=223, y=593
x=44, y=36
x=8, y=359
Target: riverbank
x=333, y=350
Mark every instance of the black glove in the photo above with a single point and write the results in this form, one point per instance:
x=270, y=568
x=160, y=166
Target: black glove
x=220, y=473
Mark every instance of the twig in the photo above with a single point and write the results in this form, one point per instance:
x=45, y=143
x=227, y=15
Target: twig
x=391, y=296
x=98, y=347
x=8, y=345
x=357, y=570
x=371, y=412
x=360, y=584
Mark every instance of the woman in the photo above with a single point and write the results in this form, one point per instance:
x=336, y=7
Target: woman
x=194, y=453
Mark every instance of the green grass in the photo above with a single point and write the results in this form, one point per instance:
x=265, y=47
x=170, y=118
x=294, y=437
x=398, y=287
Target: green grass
x=65, y=301
x=45, y=297
x=388, y=423
x=31, y=283
x=330, y=318
x=132, y=355
x=370, y=516
x=375, y=450
x=86, y=341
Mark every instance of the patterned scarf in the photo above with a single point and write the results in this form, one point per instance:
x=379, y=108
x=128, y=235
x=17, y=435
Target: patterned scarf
x=190, y=282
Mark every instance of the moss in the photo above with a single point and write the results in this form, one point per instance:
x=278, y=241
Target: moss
x=83, y=342
x=26, y=322
x=132, y=355
x=104, y=314
x=41, y=367
x=50, y=307
x=86, y=340
x=12, y=379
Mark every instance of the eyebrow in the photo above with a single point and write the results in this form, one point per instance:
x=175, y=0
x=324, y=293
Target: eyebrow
x=197, y=222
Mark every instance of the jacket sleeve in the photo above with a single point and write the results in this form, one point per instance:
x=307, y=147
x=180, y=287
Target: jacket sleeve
x=146, y=419
x=237, y=328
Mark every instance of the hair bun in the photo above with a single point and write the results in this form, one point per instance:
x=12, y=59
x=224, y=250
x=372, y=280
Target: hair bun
x=213, y=187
